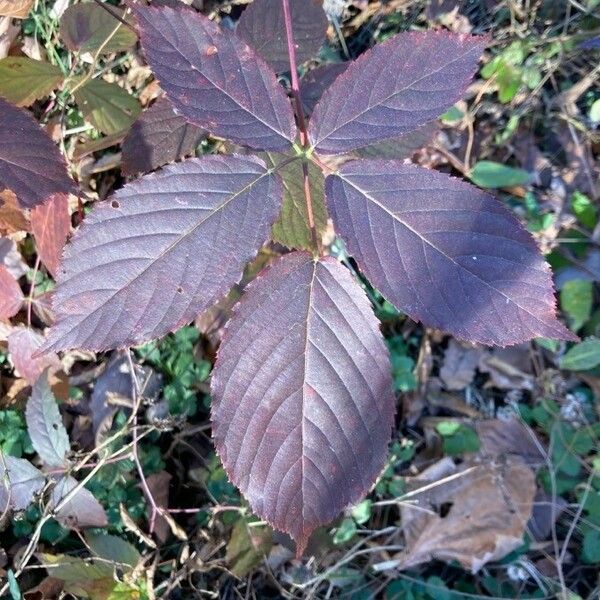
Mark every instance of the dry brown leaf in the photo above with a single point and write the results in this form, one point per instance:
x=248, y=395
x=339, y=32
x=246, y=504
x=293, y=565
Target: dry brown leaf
x=508, y=368
x=15, y=8
x=158, y=484
x=485, y=513
x=458, y=368
x=8, y=34
x=12, y=218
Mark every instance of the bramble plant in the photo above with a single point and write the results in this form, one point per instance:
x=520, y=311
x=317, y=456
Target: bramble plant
x=302, y=393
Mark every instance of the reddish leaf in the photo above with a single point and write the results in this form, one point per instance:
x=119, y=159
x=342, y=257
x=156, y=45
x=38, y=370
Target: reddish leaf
x=51, y=224
x=316, y=81
x=11, y=296
x=159, y=136
x=214, y=79
x=163, y=250
x=445, y=252
x=401, y=147
x=22, y=346
x=393, y=88
x=303, y=404
x=262, y=25
x=30, y=164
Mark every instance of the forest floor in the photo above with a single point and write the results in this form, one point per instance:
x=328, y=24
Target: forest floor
x=492, y=485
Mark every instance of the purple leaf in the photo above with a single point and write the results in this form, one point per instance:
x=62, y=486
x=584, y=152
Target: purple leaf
x=11, y=296
x=395, y=87
x=303, y=404
x=215, y=79
x=30, y=164
x=19, y=482
x=164, y=249
x=316, y=81
x=80, y=511
x=444, y=252
x=262, y=25
x=159, y=136
x=23, y=347
x=401, y=147
x=44, y=424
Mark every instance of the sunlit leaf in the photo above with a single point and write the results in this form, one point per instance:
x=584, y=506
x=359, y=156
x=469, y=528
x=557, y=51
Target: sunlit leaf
x=20, y=481
x=23, y=344
x=262, y=25
x=23, y=80
x=87, y=27
x=108, y=107
x=15, y=8
x=159, y=136
x=50, y=225
x=214, y=79
x=444, y=252
x=582, y=356
x=164, y=249
x=302, y=394
x=291, y=228
x=11, y=296
x=30, y=164
x=80, y=510
x=395, y=87
x=489, y=174
x=44, y=424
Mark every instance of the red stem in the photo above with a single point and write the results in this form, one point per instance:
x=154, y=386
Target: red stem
x=287, y=14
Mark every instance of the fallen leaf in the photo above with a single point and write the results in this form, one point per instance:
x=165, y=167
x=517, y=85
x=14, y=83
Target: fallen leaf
x=51, y=224
x=15, y=8
x=508, y=368
x=158, y=484
x=458, y=368
x=23, y=343
x=11, y=258
x=8, y=34
x=20, y=481
x=12, y=218
x=247, y=547
x=475, y=518
x=11, y=296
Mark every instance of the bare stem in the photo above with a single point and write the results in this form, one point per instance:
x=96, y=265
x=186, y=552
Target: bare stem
x=287, y=13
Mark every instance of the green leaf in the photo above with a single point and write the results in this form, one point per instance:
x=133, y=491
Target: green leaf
x=551, y=345
x=88, y=27
x=595, y=112
x=448, y=427
x=114, y=549
x=108, y=107
x=582, y=356
x=463, y=441
x=291, y=228
x=13, y=586
x=576, y=300
x=584, y=209
x=509, y=82
x=23, y=80
x=361, y=513
x=489, y=174
x=345, y=532
x=591, y=546
x=452, y=115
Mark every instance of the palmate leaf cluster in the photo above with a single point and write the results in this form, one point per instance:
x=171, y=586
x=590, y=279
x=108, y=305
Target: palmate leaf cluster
x=302, y=389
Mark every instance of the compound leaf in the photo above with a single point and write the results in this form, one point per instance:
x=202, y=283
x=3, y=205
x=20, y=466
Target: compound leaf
x=158, y=137
x=215, y=79
x=108, y=107
x=30, y=164
x=262, y=25
x=302, y=394
x=19, y=482
x=44, y=424
x=50, y=225
x=164, y=249
x=11, y=296
x=291, y=228
x=444, y=252
x=86, y=27
x=23, y=80
x=393, y=88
